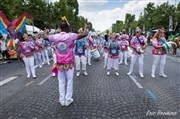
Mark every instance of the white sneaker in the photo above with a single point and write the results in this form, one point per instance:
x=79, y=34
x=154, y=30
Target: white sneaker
x=152, y=75
x=141, y=75
x=67, y=103
x=35, y=66
x=117, y=74
x=120, y=62
x=48, y=63
x=104, y=67
x=53, y=74
x=43, y=63
x=126, y=63
x=163, y=75
x=40, y=66
x=34, y=77
x=129, y=73
x=85, y=73
x=89, y=64
x=108, y=73
x=28, y=76
x=78, y=74
x=62, y=103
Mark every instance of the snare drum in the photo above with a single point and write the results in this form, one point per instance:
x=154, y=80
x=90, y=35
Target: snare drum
x=95, y=53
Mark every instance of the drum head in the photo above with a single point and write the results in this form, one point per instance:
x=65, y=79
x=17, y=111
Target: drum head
x=142, y=50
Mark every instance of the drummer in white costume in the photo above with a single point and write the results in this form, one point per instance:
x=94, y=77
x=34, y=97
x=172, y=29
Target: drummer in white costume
x=113, y=56
x=137, y=42
x=106, y=44
x=123, y=49
x=80, y=46
x=123, y=35
x=94, y=47
x=44, y=53
x=159, y=52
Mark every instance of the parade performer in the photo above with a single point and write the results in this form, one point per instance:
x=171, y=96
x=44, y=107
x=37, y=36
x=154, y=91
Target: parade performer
x=138, y=43
x=99, y=42
x=113, y=56
x=124, y=35
x=124, y=44
x=80, y=46
x=27, y=49
x=39, y=49
x=18, y=49
x=88, y=49
x=159, y=52
x=94, y=47
x=3, y=49
x=44, y=51
x=106, y=44
x=36, y=58
x=174, y=40
x=64, y=43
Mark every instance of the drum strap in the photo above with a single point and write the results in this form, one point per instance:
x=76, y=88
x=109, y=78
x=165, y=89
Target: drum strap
x=140, y=41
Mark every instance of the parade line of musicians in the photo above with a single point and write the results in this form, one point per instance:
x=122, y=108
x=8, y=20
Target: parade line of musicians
x=76, y=50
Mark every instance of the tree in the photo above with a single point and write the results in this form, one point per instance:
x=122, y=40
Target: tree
x=44, y=14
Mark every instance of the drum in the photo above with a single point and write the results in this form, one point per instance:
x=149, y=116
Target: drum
x=95, y=53
x=140, y=49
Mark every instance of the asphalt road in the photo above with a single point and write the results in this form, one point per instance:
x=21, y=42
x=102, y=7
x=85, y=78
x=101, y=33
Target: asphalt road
x=96, y=96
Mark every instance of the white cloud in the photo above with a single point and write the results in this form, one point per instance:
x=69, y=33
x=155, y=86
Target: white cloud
x=91, y=4
x=103, y=19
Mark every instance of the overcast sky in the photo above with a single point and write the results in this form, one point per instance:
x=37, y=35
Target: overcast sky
x=103, y=13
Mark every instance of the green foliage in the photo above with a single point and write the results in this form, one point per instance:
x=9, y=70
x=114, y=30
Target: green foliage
x=152, y=18
x=44, y=14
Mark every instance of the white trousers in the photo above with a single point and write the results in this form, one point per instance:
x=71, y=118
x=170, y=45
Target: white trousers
x=29, y=63
x=45, y=56
x=105, y=58
x=39, y=54
x=78, y=60
x=162, y=63
x=123, y=55
x=36, y=58
x=112, y=63
x=65, y=79
x=54, y=58
x=133, y=60
x=88, y=55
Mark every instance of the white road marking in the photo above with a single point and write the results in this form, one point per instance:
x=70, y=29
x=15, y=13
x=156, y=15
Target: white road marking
x=7, y=80
x=45, y=80
x=29, y=83
x=136, y=82
x=133, y=77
